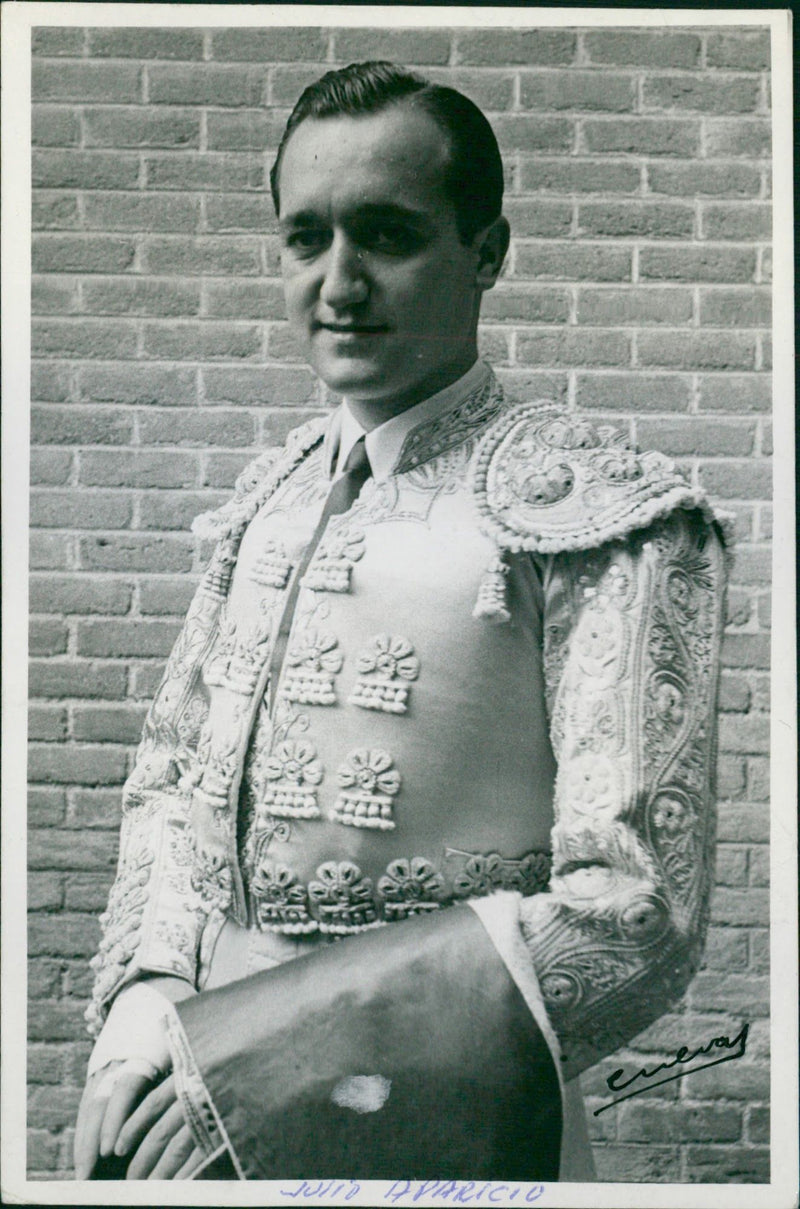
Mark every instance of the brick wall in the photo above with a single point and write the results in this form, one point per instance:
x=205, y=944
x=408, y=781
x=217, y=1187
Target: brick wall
x=637, y=290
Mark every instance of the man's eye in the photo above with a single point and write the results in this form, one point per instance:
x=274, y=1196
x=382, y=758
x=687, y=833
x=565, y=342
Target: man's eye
x=394, y=238
x=306, y=240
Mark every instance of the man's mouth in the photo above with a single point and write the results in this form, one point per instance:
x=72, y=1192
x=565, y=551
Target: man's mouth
x=353, y=329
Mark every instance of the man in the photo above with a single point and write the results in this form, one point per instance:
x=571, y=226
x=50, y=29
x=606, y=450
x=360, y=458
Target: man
x=444, y=642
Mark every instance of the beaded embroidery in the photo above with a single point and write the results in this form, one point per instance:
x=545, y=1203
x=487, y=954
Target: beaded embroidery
x=410, y=887
x=281, y=902
x=311, y=666
x=474, y=874
x=293, y=771
x=331, y=567
x=437, y=436
x=273, y=566
x=342, y=898
x=384, y=666
x=369, y=783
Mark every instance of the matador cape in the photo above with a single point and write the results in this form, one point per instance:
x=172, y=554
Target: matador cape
x=475, y=796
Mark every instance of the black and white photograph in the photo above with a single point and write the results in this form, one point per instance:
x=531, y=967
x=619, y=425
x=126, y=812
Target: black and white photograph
x=399, y=651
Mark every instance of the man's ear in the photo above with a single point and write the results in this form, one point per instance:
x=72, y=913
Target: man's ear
x=491, y=245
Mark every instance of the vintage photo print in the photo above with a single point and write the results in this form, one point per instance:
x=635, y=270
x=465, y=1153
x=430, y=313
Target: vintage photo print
x=478, y=692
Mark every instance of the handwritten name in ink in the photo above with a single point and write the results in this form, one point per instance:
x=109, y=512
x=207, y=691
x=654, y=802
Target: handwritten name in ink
x=411, y=1192
x=323, y=1190
x=618, y=1081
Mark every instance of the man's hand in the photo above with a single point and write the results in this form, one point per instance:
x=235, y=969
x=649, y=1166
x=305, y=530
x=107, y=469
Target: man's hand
x=165, y=1149
x=107, y=1101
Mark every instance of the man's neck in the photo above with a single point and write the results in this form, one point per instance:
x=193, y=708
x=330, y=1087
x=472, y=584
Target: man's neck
x=371, y=413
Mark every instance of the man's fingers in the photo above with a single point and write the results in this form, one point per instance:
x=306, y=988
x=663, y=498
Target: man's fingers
x=155, y=1143
x=127, y=1093
x=190, y=1166
x=174, y=1157
x=90, y=1122
x=150, y=1110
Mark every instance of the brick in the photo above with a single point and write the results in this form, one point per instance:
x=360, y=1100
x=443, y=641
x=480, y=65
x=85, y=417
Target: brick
x=82, y=338
x=57, y=40
x=707, y=94
x=104, y=724
x=572, y=262
x=217, y=170
x=693, y=264
x=569, y=347
x=738, y=480
x=204, y=341
x=176, y=509
x=146, y=681
x=727, y=1164
x=657, y=1123
x=86, y=82
x=70, y=679
x=638, y=1164
x=250, y=130
x=643, y=136
x=200, y=428
x=51, y=849
x=726, y=949
x=731, y=865
x=45, y=1064
x=212, y=256
x=78, y=977
x=129, y=297
x=633, y=392
x=245, y=300
x=634, y=306
x=758, y=779
x=62, y=1020
x=253, y=387
x=412, y=46
x=136, y=552
x=758, y=1125
x=50, y=466
x=84, y=170
x=643, y=48
x=45, y=891
x=47, y=637
x=538, y=218
x=526, y=47
x=125, y=637
x=697, y=350
x=579, y=175
x=269, y=45
x=138, y=468
x=46, y=723
x=492, y=91
x=518, y=132
x=95, y=808
x=743, y=823
x=141, y=212
x=55, y=211
x=746, y=650
x=760, y=950
x=530, y=384
x=86, y=892
x=71, y=425
x=693, y=436
x=41, y=1150
x=75, y=765
x=654, y=220
x=45, y=806
x=579, y=90
x=704, y=179
x=744, y=994
x=739, y=611
x=50, y=383
x=526, y=305
x=143, y=43
x=55, y=126
x=123, y=127
x=44, y=978
x=735, y=393
x=80, y=510
x=49, y=296
x=748, y=137
x=752, y=565
x=243, y=212
x=165, y=596
x=81, y=253
x=222, y=469
x=748, y=51
x=759, y=866
x=208, y=84
x=736, y=307
x=49, y=551
x=737, y=221
x=283, y=344
x=78, y=594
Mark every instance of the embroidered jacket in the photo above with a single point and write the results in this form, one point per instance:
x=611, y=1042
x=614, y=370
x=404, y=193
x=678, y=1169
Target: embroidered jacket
x=503, y=658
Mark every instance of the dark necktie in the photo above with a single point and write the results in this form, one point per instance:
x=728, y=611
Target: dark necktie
x=342, y=494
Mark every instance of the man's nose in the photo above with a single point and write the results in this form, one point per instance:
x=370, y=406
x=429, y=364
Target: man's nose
x=345, y=282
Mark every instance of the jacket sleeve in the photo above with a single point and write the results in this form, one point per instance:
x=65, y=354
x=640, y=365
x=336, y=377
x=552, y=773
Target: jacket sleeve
x=632, y=639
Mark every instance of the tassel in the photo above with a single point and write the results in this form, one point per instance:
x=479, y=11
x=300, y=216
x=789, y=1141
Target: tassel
x=491, y=602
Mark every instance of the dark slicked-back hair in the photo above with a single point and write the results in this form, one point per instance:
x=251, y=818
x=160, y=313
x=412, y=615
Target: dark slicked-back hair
x=474, y=174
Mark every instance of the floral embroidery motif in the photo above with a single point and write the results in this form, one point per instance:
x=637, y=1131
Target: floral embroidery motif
x=212, y=883
x=273, y=567
x=480, y=874
x=437, y=436
x=369, y=783
x=342, y=898
x=410, y=887
x=311, y=666
x=331, y=567
x=491, y=602
x=237, y=658
x=292, y=773
x=281, y=902
x=383, y=668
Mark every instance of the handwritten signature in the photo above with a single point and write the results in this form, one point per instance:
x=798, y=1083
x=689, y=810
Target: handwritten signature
x=682, y=1057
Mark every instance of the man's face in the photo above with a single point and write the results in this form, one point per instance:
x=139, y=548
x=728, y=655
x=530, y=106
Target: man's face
x=379, y=287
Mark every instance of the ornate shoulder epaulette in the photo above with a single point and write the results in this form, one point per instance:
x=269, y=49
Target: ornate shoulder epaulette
x=545, y=481
x=258, y=480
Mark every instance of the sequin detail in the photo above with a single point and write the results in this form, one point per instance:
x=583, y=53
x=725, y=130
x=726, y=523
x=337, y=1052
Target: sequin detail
x=311, y=666
x=386, y=668
x=369, y=783
x=292, y=773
